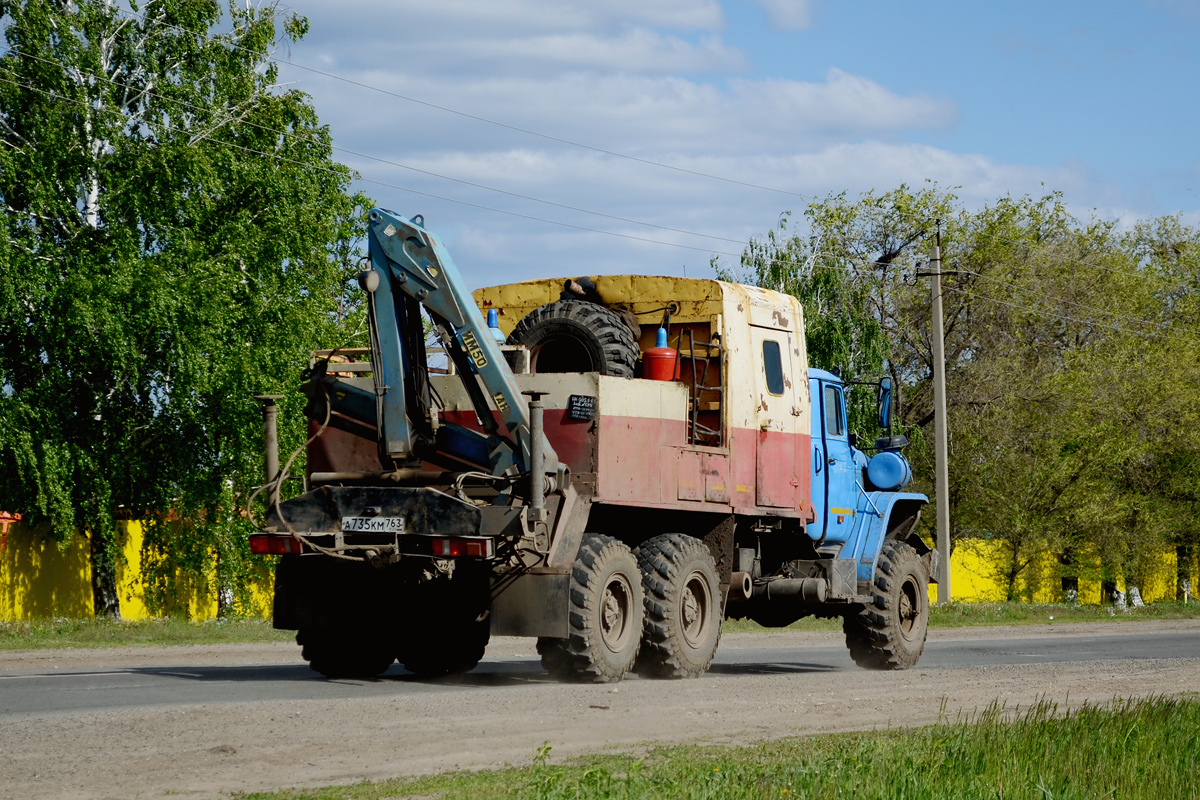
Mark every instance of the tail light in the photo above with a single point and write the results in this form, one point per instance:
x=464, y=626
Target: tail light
x=463, y=547
x=274, y=544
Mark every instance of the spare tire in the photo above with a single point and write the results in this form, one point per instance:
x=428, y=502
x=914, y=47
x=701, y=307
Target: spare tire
x=577, y=336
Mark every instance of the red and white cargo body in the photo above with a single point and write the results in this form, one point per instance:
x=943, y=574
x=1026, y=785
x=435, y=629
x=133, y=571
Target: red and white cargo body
x=749, y=452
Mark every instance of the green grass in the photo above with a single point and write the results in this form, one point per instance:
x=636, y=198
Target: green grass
x=960, y=615
x=169, y=631
x=155, y=632
x=1126, y=751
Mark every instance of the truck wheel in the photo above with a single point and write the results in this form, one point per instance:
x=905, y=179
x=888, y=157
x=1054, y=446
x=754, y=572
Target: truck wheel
x=605, y=617
x=344, y=653
x=683, y=607
x=577, y=336
x=449, y=627
x=446, y=649
x=889, y=633
x=556, y=656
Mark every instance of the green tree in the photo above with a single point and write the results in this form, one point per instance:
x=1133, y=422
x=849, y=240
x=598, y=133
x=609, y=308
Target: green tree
x=851, y=271
x=1071, y=360
x=175, y=237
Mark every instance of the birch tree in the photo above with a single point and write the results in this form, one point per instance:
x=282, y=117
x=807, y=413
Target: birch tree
x=173, y=226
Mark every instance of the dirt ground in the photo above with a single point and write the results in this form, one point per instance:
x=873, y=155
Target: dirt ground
x=210, y=750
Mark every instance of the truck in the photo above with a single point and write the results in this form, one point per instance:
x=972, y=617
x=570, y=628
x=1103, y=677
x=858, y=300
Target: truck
x=612, y=465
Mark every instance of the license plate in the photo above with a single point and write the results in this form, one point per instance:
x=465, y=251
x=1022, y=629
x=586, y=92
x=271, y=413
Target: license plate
x=373, y=524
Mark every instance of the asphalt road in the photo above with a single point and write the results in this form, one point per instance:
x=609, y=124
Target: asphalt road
x=125, y=687
x=208, y=721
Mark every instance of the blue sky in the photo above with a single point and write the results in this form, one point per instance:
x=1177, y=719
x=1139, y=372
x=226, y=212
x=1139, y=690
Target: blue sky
x=1096, y=99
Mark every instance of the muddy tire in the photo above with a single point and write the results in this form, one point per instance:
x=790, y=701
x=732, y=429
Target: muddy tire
x=451, y=647
x=605, y=617
x=448, y=628
x=345, y=653
x=556, y=656
x=683, y=607
x=577, y=336
x=889, y=632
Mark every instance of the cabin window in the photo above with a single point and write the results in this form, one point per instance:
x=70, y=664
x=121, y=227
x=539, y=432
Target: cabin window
x=833, y=412
x=773, y=364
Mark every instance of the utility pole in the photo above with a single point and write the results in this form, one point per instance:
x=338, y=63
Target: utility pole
x=942, y=471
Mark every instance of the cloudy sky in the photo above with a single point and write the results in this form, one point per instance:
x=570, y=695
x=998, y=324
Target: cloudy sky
x=568, y=137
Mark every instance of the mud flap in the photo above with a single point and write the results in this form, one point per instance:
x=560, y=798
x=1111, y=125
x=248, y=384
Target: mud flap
x=933, y=561
x=535, y=604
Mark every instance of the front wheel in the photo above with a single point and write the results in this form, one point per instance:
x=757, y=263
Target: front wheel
x=605, y=617
x=889, y=632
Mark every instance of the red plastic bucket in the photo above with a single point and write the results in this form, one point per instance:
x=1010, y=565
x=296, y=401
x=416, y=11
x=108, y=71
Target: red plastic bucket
x=659, y=364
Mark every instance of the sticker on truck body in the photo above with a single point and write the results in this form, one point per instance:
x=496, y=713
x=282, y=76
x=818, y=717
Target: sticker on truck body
x=373, y=524
x=471, y=345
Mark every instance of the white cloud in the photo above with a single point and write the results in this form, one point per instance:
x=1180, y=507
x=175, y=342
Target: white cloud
x=492, y=247
x=654, y=80
x=794, y=15
x=408, y=22
x=649, y=116
x=639, y=50
x=468, y=38
x=844, y=102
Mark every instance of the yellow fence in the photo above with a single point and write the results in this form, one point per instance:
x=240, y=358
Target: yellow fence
x=976, y=564
x=39, y=580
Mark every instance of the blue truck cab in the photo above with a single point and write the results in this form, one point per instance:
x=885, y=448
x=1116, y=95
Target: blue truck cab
x=854, y=496
x=858, y=556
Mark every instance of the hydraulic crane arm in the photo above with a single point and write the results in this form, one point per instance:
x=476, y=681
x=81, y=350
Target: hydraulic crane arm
x=411, y=267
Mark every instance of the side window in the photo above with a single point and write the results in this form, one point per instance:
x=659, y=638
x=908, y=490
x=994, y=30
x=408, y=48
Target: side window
x=833, y=412
x=773, y=365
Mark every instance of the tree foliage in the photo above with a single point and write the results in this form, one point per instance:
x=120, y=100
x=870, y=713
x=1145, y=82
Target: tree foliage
x=175, y=237
x=1072, y=349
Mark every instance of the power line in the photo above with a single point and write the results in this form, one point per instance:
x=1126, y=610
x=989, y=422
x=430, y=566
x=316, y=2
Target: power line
x=956, y=290
x=478, y=118
x=1054, y=257
x=1042, y=311
x=1082, y=306
x=1149, y=327
x=306, y=165
x=279, y=132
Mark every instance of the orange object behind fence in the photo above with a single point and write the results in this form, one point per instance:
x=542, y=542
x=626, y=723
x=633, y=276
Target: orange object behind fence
x=6, y=519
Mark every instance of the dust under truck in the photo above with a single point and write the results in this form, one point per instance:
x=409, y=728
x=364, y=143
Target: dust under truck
x=613, y=465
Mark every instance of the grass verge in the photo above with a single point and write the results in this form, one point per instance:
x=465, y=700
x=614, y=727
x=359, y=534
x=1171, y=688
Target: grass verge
x=50, y=633
x=961, y=615
x=169, y=631
x=1132, y=750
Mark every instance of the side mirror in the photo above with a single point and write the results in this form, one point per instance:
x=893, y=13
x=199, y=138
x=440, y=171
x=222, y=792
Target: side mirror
x=885, y=404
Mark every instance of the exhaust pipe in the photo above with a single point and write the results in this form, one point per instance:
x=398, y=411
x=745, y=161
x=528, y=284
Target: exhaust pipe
x=741, y=588
x=810, y=590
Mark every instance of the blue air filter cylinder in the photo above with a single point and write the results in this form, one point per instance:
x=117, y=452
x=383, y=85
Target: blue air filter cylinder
x=493, y=321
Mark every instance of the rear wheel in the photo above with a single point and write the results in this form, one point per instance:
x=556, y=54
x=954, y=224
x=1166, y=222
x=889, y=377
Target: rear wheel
x=605, y=617
x=889, y=633
x=683, y=611
x=350, y=652
x=448, y=626
x=447, y=649
x=577, y=336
